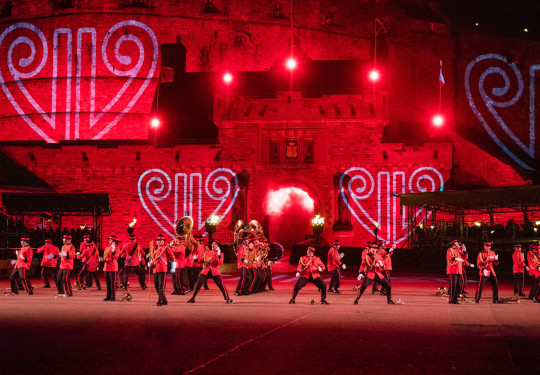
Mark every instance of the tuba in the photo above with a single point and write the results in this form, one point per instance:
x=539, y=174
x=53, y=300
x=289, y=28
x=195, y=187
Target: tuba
x=184, y=227
x=239, y=228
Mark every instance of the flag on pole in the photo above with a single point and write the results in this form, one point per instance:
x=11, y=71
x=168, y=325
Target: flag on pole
x=441, y=78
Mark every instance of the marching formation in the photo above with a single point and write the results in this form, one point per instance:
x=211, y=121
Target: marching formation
x=191, y=263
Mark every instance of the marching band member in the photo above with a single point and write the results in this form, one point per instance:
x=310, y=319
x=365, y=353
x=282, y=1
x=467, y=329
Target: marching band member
x=454, y=268
x=179, y=246
x=307, y=271
x=159, y=255
x=67, y=258
x=48, y=264
x=88, y=254
x=370, y=270
x=364, y=254
x=485, y=261
x=22, y=266
x=334, y=265
x=258, y=277
x=532, y=263
x=242, y=263
x=267, y=267
x=536, y=274
x=465, y=256
x=387, y=260
x=190, y=264
x=110, y=258
x=133, y=255
x=197, y=260
x=211, y=260
x=518, y=269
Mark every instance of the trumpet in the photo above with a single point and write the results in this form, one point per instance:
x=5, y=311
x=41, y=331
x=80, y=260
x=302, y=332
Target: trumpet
x=125, y=297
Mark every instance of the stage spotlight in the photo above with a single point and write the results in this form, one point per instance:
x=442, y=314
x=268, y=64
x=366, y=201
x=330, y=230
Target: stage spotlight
x=374, y=75
x=291, y=64
x=437, y=120
x=154, y=123
x=227, y=78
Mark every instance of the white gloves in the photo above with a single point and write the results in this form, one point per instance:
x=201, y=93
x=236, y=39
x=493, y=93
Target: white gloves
x=526, y=268
x=50, y=256
x=62, y=254
x=459, y=259
x=472, y=265
x=341, y=255
x=464, y=248
x=113, y=248
x=97, y=268
x=491, y=257
x=17, y=252
x=486, y=273
x=100, y=259
x=297, y=274
x=393, y=246
x=173, y=266
x=218, y=251
x=497, y=257
x=149, y=264
x=13, y=261
x=195, y=257
x=320, y=269
x=147, y=255
x=344, y=266
x=360, y=277
x=245, y=261
x=78, y=253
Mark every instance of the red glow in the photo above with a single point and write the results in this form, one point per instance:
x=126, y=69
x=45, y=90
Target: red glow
x=154, y=123
x=227, y=77
x=374, y=75
x=280, y=200
x=437, y=120
x=291, y=64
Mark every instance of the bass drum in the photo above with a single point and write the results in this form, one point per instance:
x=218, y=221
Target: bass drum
x=275, y=251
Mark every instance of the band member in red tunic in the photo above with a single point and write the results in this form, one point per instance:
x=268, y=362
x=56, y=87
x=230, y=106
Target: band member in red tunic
x=159, y=255
x=67, y=258
x=307, y=271
x=48, y=264
x=190, y=264
x=267, y=266
x=179, y=247
x=197, y=260
x=88, y=254
x=518, y=268
x=370, y=269
x=110, y=259
x=258, y=276
x=242, y=288
x=454, y=266
x=535, y=265
x=485, y=261
x=22, y=266
x=532, y=262
x=133, y=255
x=211, y=260
x=334, y=265
x=465, y=256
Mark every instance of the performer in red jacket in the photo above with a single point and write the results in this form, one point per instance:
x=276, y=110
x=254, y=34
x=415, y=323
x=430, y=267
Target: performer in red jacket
x=518, y=268
x=386, y=257
x=67, y=258
x=485, y=261
x=334, y=265
x=22, y=266
x=110, y=259
x=211, y=260
x=197, y=260
x=179, y=247
x=307, y=271
x=454, y=267
x=370, y=269
x=242, y=288
x=159, y=255
x=48, y=264
x=533, y=263
x=133, y=255
x=88, y=254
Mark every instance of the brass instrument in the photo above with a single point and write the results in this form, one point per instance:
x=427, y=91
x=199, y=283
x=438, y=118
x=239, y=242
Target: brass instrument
x=255, y=228
x=442, y=292
x=239, y=229
x=125, y=297
x=515, y=299
x=184, y=227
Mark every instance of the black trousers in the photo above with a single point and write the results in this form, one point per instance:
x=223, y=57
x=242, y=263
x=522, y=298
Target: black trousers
x=93, y=275
x=334, y=281
x=178, y=285
x=494, y=285
x=384, y=282
x=258, y=279
x=534, y=287
x=202, y=279
x=463, y=282
x=159, y=284
x=47, y=272
x=82, y=276
x=62, y=282
x=267, y=278
x=22, y=275
x=196, y=276
x=386, y=274
x=110, y=280
x=124, y=275
x=302, y=282
x=518, y=283
x=245, y=280
x=193, y=274
x=455, y=287
x=535, y=290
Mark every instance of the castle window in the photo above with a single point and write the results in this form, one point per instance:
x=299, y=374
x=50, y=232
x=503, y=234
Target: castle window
x=63, y=4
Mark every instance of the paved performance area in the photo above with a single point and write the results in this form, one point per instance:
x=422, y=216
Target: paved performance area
x=263, y=334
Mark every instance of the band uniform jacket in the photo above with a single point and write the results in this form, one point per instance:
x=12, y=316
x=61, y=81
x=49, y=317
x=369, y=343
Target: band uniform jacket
x=66, y=263
x=211, y=261
x=179, y=252
x=465, y=257
x=48, y=249
x=485, y=261
x=373, y=265
x=386, y=258
x=310, y=265
x=363, y=263
x=334, y=260
x=241, y=256
x=518, y=259
x=189, y=259
x=453, y=267
x=110, y=258
x=24, y=259
x=199, y=251
x=135, y=255
x=533, y=259
x=160, y=264
x=88, y=256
